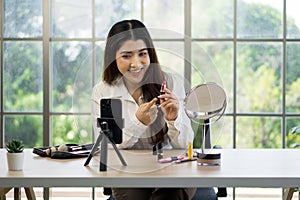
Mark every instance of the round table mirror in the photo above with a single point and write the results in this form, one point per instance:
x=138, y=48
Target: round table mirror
x=205, y=104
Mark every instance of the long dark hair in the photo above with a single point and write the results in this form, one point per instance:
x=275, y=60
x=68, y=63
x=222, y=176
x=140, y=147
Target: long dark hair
x=132, y=30
x=135, y=30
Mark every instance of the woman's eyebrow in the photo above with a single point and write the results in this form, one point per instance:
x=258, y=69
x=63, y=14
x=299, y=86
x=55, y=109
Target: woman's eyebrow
x=126, y=52
x=143, y=49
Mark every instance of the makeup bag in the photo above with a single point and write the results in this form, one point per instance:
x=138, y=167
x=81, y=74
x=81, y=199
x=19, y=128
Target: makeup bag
x=65, y=151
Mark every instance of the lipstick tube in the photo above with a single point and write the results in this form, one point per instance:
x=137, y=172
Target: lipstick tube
x=162, y=89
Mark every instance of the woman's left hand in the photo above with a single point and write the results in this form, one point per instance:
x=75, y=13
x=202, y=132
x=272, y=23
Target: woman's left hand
x=169, y=105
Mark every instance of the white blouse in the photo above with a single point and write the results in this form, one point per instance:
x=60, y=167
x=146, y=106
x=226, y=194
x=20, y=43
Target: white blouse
x=180, y=132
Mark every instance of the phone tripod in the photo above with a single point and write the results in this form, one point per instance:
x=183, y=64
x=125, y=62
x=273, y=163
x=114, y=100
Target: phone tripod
x=104, y=136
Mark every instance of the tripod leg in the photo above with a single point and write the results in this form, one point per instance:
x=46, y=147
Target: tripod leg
x=96, y=145
x=119, y=154
x=103, y=154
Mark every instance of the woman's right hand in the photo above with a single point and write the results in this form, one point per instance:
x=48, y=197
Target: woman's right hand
x=147, y=112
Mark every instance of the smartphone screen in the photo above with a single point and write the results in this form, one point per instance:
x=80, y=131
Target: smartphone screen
x=111, y=112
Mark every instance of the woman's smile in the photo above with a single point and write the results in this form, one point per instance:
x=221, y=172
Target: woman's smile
x=136, y=71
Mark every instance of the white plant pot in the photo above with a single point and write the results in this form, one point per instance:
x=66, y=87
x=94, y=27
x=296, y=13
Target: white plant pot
x=15, y=161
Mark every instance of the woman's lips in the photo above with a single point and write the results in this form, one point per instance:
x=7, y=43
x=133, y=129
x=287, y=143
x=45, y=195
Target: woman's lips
x=136, y=71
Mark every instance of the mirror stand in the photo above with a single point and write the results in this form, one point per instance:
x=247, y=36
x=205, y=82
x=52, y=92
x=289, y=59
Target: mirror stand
x=207, y=159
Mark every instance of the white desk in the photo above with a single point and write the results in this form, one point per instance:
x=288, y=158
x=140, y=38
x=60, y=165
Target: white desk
x=239, y=168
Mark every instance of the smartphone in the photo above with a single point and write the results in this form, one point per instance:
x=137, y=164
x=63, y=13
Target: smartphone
x=111, y=112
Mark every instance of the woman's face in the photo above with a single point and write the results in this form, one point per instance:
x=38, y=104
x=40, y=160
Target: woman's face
x=133, y=60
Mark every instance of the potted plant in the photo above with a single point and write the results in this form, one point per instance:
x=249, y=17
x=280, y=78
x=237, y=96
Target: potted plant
x=15, y=154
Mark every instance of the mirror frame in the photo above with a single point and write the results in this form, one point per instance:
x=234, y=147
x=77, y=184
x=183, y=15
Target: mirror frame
x=195, y=116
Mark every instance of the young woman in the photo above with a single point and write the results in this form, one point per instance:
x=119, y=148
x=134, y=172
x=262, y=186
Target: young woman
x=132, y=73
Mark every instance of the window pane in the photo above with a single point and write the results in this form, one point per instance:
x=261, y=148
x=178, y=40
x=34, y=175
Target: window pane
x=71, y=19
x=23, y=82
x=165, y=19
x=0, y=79
x=292, y=137
x=109, y=12
x=214, y=60
x=23, y=18
x=82, y=87
x=99, y=54
x=259, y=77
x=221, y=133
x=28, y=128
x=258, y=132
x=293, y=78
x=71, y=129
x=74, y=193
x=212, y=19
x=71, y=63
x=293, y=18
x=171, y=56
x=259, y=19
x=204, y=69
x=258, y=193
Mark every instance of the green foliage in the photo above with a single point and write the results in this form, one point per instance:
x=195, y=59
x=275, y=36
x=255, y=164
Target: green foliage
x=68, y=60
x=14, y=146
x=197, y=143
x=293, y=97
x=293, y=63
x=71, y=129
x=23, y=17
x=220, y=25
x=258, y=18
x=22, y=75
x=28, y=128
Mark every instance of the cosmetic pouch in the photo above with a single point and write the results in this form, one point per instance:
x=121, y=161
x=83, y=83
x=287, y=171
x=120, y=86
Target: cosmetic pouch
x=65, y=151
